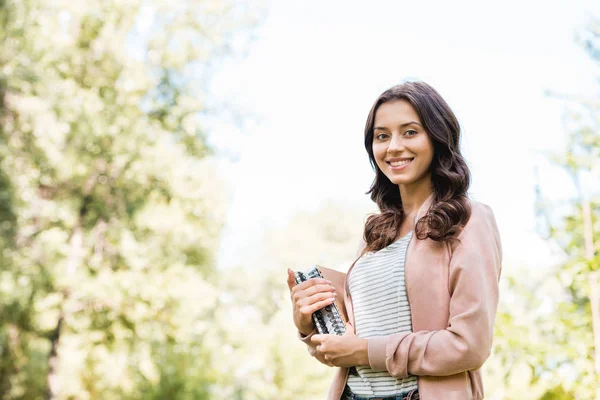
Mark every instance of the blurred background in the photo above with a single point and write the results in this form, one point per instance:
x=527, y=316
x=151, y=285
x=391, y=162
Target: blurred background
x=163, y=163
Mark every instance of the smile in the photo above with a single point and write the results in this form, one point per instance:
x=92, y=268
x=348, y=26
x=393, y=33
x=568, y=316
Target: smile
x=399, y=164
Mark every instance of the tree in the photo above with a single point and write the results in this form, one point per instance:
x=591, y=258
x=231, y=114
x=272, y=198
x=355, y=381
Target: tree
x=110, y=203
x=579, y=309
x=554, y=351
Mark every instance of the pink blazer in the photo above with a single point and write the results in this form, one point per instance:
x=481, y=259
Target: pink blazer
x=453, y=295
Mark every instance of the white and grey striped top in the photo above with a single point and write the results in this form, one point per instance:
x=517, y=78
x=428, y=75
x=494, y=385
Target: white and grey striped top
x=381, y=308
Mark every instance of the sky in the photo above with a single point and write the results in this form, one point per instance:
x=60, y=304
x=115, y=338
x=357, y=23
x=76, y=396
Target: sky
x=309, y=78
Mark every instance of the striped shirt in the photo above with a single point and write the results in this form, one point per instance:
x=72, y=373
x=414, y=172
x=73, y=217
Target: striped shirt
x=381, y=308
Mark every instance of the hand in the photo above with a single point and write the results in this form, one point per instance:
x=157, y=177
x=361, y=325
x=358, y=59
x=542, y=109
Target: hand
x=308, y=297
x=342, y=351
x=321, y=357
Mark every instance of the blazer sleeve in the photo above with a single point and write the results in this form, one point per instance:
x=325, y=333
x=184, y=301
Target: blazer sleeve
x=311, y=347
x=474, y=272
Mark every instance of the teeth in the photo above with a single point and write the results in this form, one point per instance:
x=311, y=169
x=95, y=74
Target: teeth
x=398, y=163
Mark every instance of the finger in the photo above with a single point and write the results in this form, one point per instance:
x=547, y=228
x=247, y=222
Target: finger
x=321, y=357
x=309, y=309
x=316, y=339
x=319, y=288
x=312, y=295
x=317, y=297
x=311, y=282
x=291, y=280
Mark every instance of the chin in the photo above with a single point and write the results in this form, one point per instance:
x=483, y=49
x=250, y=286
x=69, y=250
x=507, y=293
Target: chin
x=402, y=182
x=398, y=180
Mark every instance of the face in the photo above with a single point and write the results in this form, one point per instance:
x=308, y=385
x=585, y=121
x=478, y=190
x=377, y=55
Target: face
x=402, y=148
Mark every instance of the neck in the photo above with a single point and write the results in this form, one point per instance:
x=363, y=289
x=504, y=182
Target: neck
x=414, y=195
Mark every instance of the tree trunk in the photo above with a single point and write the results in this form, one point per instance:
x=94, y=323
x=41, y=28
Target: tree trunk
x=73, y=260
x=53, y=381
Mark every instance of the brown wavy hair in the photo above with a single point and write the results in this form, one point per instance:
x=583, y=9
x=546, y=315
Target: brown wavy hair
x=450, y=176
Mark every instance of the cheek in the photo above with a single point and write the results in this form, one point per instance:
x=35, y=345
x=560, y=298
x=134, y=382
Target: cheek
x=429, y=155
x=378, y=153
x=426, y=151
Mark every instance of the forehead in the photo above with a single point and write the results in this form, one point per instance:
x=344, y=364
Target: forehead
x=394, y=113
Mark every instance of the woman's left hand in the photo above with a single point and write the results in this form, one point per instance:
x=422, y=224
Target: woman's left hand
x=343, y=351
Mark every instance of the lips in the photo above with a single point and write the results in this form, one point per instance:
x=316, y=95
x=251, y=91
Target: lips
x=399, y=162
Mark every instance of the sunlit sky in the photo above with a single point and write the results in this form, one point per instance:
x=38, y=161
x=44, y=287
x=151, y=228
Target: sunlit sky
x=315, y=68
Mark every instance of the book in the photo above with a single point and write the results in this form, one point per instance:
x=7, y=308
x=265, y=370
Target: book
x=330, y=319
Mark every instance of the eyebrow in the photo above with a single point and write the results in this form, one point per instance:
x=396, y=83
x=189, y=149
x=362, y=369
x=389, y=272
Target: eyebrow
x=401, y=126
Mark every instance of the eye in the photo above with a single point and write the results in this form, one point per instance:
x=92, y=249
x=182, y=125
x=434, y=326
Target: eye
x=381, y=136
x=410, y=132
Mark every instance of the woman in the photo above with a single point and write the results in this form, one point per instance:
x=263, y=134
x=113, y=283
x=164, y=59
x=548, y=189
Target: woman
x=421, y=298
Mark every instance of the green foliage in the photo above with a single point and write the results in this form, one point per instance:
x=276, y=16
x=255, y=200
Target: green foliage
x=557, y=393
x=109, y=206
x=544, y=343
x=110, y=212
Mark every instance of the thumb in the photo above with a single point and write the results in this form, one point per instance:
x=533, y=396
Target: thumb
x=291, y=280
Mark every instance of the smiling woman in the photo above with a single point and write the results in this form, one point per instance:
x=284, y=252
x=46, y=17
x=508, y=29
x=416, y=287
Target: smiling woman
x=421, y=298
x=412, y=121
x=403, y=151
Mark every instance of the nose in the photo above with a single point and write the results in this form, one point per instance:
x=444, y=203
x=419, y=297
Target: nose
x=396, y=144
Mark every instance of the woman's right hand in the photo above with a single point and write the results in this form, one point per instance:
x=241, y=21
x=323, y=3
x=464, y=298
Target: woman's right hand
x=308, y=297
